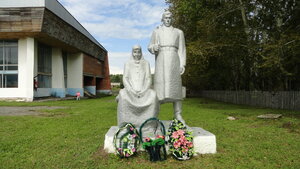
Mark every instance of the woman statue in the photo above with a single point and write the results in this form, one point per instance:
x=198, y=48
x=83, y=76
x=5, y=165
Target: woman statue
x=136, y=102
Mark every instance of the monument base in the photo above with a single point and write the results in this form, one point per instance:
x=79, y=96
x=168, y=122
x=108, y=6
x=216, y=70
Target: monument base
x=204, y=141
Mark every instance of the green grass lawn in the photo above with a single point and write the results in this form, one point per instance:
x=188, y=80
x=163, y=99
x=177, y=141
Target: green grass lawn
x=74, y=137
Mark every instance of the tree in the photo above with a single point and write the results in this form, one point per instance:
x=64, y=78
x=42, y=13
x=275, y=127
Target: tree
x=240, y=44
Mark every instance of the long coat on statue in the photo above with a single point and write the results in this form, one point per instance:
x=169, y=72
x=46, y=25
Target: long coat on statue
x=131, y=108
x=169, y=59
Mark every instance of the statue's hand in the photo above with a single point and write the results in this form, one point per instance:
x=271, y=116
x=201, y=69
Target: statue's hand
x=156, y=48
x=138, y=93
x=182, y=69
x=131, y=90
x=142, y=93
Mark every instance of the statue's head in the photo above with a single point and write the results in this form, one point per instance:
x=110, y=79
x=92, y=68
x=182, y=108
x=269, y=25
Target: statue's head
x=137, y=52
x=167, y=18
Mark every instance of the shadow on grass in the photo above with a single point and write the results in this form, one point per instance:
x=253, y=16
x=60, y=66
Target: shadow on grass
x=141, y=160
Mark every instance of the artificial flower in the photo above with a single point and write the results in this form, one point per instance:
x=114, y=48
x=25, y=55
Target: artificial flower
x=147, y=139
x=175, y=135
x=160, y=136
x=176, y=144
x=180, y=140
x=190, y=144
x=180, y=132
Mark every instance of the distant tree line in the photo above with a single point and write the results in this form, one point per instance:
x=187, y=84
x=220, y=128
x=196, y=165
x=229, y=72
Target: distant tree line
x=116, y=78
x=240, y=44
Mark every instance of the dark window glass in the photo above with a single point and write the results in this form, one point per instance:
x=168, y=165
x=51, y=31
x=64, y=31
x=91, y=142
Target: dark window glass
x=66, y=82
x=11, y=68
x=65, y=64
x=11, y=55
x=11, y=42
x=44, y=66
x=44, y=58
x=44, y=81
x=1, y=54
x=11, y=81
x=8, y=63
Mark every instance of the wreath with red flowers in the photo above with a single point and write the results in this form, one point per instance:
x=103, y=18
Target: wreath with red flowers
x=180, y=141
x=155, y=147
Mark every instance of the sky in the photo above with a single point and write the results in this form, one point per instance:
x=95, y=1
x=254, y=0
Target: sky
x=118, y=25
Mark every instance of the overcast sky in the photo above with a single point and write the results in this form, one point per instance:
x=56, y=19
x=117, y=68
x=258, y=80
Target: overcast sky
x=118, y=25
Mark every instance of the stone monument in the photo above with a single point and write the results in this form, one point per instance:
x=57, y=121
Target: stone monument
x=137, y=102
x=168, y=45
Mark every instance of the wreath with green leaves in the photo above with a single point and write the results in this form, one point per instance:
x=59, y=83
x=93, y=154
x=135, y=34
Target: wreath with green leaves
x=155, y=147
x=126, y=140
x=180, y=140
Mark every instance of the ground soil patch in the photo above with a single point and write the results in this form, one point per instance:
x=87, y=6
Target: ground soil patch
x=23, y=111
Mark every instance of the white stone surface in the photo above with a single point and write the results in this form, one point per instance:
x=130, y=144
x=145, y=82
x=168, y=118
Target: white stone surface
x=75, y=70
x=183, y=92
x=57, y=69
x=137, y=102
x=204, y=141
x=168, y=45
x=20, y=3
x=109, y=140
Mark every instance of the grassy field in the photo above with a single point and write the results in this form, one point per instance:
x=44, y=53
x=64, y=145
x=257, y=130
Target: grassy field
x=73, y=137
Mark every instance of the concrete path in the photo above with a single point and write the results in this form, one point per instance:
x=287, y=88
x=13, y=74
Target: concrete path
x=23, y=111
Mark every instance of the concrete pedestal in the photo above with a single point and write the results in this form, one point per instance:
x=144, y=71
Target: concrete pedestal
x=204, y=141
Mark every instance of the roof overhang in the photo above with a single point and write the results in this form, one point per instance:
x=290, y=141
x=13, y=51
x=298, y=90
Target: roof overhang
x=55, y=7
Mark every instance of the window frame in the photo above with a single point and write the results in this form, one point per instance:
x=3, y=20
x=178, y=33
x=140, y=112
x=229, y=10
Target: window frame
x=5, y=68
x=44, y=65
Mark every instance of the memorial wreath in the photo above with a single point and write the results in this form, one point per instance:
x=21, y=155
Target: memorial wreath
x=126, y=140
x=180, y=141
x=155, y=147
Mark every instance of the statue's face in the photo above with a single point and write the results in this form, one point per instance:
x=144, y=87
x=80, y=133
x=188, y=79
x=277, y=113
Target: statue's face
x=167, y=20
x=137, y=54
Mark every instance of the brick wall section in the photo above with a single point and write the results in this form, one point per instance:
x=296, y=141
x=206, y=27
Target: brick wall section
x=92, y=66
x=96, y=68
x=105, y=83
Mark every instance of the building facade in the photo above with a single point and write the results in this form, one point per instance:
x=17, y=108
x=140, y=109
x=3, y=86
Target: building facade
x=45, y=51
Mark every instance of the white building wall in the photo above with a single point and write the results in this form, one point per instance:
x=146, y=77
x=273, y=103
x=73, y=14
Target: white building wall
x=26, y=49
x=58, y=84
x=57, y=69
x=22, y=3
x=75, y=74
x=35, y=69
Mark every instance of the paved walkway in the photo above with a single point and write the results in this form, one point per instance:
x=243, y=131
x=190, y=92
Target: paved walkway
x=23, y=111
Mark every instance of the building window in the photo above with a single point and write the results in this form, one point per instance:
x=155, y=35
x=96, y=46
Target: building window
x=65, y=64
x=44, y=66
x=8, y=63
